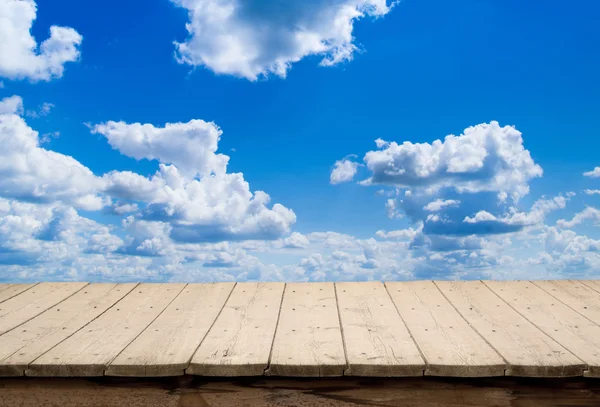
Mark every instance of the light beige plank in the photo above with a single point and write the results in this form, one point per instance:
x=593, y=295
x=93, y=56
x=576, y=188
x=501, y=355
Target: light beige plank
x=377, y=341
x=308, y=341
x=239, y=342
x=8, y=291
x=21, y=346
x=450, y=346
x=594, y=284
x=576, y=294
x=90, y=350
x=528, y=351
x=32, y=302
x=572, y=330
x=166, y=347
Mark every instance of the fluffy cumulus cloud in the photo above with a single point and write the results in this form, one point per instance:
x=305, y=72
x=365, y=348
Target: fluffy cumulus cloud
x=192, y=189
x=469, y=184
x=253, y=38
x=343, y=171
x=21, y=57
x=172, y=220
x=464, y=197
x=192, y=220
x=31, y=173
x=486, y=158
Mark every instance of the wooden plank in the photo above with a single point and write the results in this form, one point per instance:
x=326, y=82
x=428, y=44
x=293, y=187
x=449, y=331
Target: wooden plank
x=30, y=303
x=89, y=351
x=308, y=340
x=527, y=350
x=239, y=342
x=572, y=330
x=166, y=347
x=450, y=346
x=594, y=284
x=8, y=291
x=21, y=346
x=576, y=294
x=377, y=341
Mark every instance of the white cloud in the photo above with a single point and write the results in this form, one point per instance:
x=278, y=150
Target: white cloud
x=255, y=38
x=214, y=206
x=343, y=171
x=190, y=146
x=202, y=203
x=486, y=157
x=11, y=105
x=123, y=208
x=592, y=191
x=588, y=214
x=20, y=56
x=296, y=241
x=595, y=173
x=29, y=172
x=439, y=204
x=402, y=234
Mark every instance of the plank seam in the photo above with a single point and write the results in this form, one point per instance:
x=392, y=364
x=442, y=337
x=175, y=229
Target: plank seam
x=337, y=307
x=142, y=331
x=41, y=312
x=19, y=293
x=506, y=364
x=210, y=327
x=589, y=286
x=18, y=350
x=266, y=370
x=562, y=302
x=407, y=328
x=535, y=325
x=92, y=320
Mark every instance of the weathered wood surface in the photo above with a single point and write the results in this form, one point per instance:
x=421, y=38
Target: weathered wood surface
x=240, y=341
x=527, y=350
x=167, y=345
x=569, y=328
x=7, y=291
x=90, y=350
x=380, y=344
x=450, y=346
x=308, y=341
x=459, y=329
x=23, y=307
x=19, y=347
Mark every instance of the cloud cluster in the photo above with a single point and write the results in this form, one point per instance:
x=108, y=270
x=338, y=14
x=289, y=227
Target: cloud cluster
x=465, y=185
x=20, y=55
x=253, y=38
x=200, y=203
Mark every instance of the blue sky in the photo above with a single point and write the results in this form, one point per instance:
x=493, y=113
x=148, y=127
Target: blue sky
x=158, y=122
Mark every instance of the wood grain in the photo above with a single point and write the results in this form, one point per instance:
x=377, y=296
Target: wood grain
x=569, y=328
x=239, y=342
x=308, y=341
x=450, y=346
x=377, y=342
x=90, y=350
x=528, y=351
x=30, y=303
x=22, y=346
x=166, y=347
